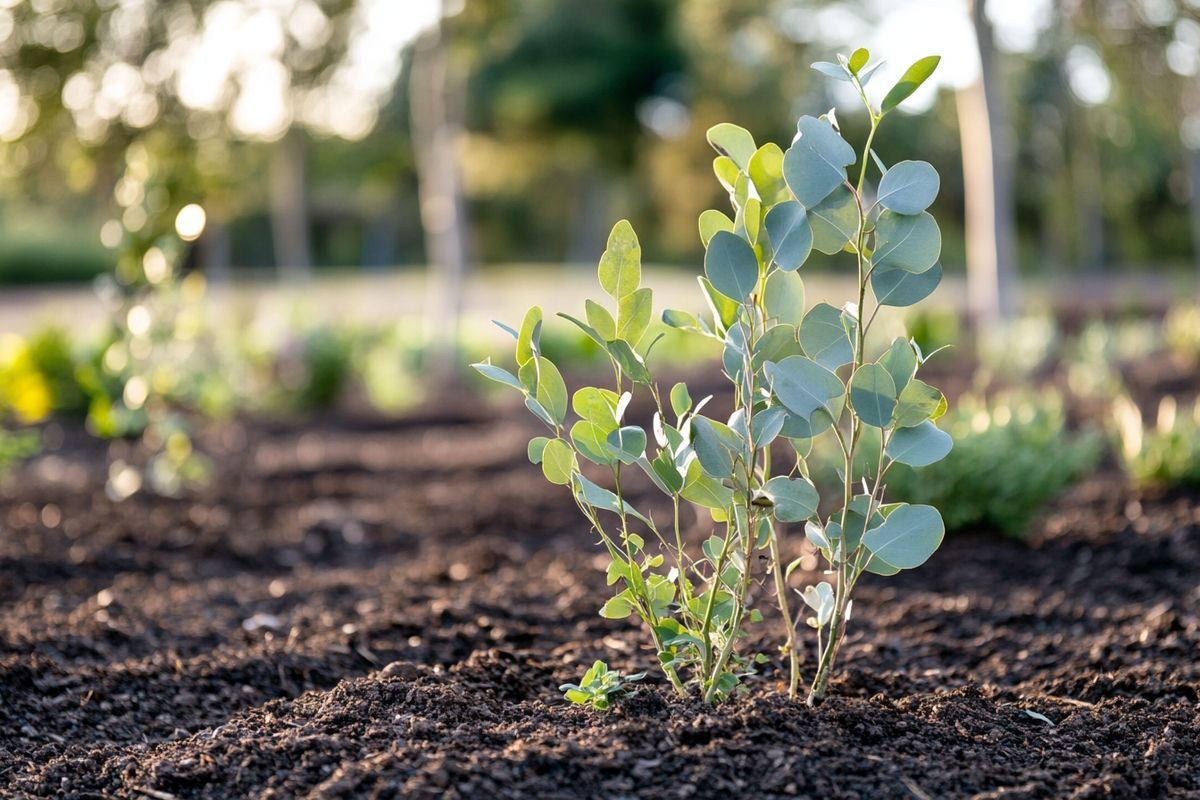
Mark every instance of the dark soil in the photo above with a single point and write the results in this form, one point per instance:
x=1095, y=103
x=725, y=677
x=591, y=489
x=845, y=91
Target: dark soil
x=385, y=609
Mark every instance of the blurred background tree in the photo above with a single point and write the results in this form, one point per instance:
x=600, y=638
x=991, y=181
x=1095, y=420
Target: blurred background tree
x=297, y=119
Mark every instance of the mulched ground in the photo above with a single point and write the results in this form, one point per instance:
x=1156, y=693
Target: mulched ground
x=364, y=608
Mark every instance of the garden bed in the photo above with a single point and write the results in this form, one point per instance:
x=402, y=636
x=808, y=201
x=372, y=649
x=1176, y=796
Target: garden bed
x=358, y=608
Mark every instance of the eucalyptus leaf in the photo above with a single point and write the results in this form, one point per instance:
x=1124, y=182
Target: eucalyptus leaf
x=528, y=338
x=551, y=390
x=918, y=446
x=733, y=141
x=909, y=187
x=498, y=374
x=804, y=386
x=816, y=162
x=621, y=265
x=834, y=221
x=898, y=287
x=731, y=266
x=558, y=462
x=629, y=442
x=873, y=395
x=830, y=70
x=906, y=242
x=633, y=315
x=766, y=173
x=794, y=500
x=908, y=537
x=909, y=82
x=825, y=335
x=600, y=320
x=712, y=222
x=783, y=296
x=791, y=235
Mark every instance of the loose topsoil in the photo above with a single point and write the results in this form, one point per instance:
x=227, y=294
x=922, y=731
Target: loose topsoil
x=369, y=608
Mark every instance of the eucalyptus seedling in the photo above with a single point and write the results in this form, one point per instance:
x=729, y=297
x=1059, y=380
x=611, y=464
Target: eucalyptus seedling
x=599, y=687
x=800, y=379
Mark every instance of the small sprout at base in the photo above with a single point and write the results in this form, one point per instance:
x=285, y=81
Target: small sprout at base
x=599, y=687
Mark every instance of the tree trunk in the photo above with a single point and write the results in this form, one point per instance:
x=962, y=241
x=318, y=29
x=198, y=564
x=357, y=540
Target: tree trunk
x=1192, y=154
x=289, y=209
x=436, y=103
x=987, y=184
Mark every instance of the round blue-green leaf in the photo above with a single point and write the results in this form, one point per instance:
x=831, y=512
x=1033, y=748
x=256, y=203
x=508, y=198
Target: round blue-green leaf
x=498, y=374
x=804, y=386
x=795, y=499
x=537, y=445
x=900, y=288
x=908, y=537
x=919, y=446
x=825, y=334
x=558, y=462
x=783, y=296
x=731, y=265
x=816, y=162
x=909, y=187
x=629, y=442
x=766, y=173
x=791, y=235
x=873, y=395
x=900, y=361
x=908, y=242
x=834, y=221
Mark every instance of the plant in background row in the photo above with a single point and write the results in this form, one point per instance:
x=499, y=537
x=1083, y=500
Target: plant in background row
x=1166, y=453
x=799, y=377
x=599, y=686
x=1012, y=454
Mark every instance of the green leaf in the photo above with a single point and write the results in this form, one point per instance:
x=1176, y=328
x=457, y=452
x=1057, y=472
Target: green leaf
x=804, y=386
x=906, y=242
x=704, y=491
x=600, y=320
x=621, y=265
x=918, y=402
x=715, y=445
x=816, y=162
x=664, y=467
x=900, y=361
x=825, y=336
x=591, y=440
x=909, y=187
x=873, y=395
x=601, y=498
x=918, y=446
x=591, y=332
x=834, y=221
x=538, y=410
x=776, y=344
x=727, y=172
x=783, y=296
x=791, y=235
x=498, y=374
x=558, y=462
x=629, y=442
x=724, y=310
x=632, y=365
x=733, y=141
x=528, y=339
x=619, y=607
x=537, y=446
x=767, y=425
x=900, y=288
x=908, y=537
x=551, y=390
x=795, y=500
x=596, y=405
x=712, y=222
x=766, y=173
x=864, y=77
x=633, y=315
x=831, y=70
x=681, y=320
x=681, y=401
x=859, y=59
x=731, y=266
x=909, y=82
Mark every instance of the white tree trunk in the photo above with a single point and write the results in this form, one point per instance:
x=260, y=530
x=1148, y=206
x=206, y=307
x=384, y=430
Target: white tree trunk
x=436, y=129
x=289, y=209
x=987, y=185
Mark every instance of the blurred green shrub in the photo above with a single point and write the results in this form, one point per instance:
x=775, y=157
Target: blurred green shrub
x=932, y=329
x=16, y=446
x=51, y=259
x=1020, y=348
x=1181, y=330
x=1011, y=455
x=1166, y=453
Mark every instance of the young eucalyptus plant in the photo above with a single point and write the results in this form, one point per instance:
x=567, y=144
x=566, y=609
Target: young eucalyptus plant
x=800, y=377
